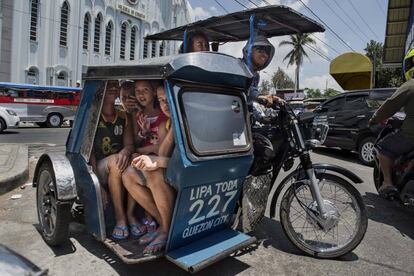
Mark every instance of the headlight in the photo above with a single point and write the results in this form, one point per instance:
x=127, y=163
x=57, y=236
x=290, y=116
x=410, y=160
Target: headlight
x=11, y=112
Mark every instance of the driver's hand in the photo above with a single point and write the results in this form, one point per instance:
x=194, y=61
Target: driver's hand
x=267, y=99
x=278, y=100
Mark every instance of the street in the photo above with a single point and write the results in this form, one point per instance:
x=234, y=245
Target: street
x=387, y=248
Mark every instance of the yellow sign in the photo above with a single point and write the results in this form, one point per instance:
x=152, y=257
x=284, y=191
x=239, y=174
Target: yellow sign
x=130, y=11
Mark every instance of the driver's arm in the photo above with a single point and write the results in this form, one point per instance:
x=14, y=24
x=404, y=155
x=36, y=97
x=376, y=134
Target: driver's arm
x=392, y=105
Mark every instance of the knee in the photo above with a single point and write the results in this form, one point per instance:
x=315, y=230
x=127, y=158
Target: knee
x=113, y=167
x=127, y=177
x=154, y=178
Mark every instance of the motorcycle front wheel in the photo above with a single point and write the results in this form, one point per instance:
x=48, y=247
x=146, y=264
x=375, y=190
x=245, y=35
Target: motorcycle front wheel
x=331, y=237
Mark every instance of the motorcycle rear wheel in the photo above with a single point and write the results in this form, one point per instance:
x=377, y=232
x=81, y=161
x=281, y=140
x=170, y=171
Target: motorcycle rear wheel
x=314, y=240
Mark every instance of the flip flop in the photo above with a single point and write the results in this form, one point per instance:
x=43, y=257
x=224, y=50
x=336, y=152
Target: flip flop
x=149, y=249
x=150, y=224
x=387, y=191
x=148, y=237
x=124, y=230
x=137, y=232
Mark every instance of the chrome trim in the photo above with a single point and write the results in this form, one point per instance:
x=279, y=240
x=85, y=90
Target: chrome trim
x=64, y=176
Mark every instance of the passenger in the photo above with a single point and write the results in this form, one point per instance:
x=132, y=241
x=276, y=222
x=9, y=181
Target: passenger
x=197, y=42
x=261, y=56
x=151, y=130
x=398, y=143
x=149, y=189
x=111, y=154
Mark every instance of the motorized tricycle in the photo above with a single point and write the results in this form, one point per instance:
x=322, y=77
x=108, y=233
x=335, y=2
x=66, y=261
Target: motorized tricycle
x=214, y=162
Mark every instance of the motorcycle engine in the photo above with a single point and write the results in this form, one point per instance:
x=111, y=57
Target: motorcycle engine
x=264, y=153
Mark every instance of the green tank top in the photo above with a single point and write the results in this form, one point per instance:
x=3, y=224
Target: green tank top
x=109, y=136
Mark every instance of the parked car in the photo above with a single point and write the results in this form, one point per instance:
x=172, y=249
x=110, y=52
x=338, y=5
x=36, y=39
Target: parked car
x=8, y=119
x=348, y=114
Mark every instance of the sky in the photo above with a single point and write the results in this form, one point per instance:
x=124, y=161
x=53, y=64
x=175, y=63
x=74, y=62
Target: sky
x=356, y=22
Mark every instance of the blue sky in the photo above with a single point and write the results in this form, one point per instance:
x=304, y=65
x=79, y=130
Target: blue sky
x=314, y=73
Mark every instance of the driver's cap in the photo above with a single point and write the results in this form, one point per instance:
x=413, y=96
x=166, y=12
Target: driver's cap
x=408, y=65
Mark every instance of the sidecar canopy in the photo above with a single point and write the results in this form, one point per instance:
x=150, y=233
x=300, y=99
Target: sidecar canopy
x=271, y=21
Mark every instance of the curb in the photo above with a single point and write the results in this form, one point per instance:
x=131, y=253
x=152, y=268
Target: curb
x=18, y=174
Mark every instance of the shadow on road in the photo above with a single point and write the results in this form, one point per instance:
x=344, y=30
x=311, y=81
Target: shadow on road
x=391, y=213
x=8, y=132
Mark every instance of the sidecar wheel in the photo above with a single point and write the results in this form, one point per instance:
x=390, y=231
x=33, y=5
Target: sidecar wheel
x=54, y=217
x=333, y=237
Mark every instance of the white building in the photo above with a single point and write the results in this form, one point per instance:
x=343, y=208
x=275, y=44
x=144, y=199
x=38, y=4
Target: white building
x=47, y=41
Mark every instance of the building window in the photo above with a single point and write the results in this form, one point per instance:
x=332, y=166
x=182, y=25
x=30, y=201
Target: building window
x=64, y=22
x=162, y=48
x=133, y=43
x=97, y=34
x=153, y=47
x=86, y=24
x=123, y=41
x=145, y=50
x=34, y=13
x=62, y=79
x=108, y=38
x=32, y=76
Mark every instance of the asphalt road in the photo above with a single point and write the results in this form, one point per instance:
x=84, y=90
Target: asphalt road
x=387, y=248
x=35, y=135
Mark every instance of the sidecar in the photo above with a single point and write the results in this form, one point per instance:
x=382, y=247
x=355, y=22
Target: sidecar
x=212, y=156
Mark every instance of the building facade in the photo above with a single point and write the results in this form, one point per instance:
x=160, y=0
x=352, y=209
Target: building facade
x=47, y=42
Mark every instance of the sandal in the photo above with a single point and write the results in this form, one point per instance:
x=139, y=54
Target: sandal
x=150, y=224
x=387, y=191
x=148, y=237
x=155, y=248
x=124, y=230
x=136, y=230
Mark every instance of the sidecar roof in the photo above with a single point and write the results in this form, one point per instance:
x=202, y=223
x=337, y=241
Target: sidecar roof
x=279, y=21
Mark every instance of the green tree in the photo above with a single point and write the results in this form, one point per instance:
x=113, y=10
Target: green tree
x=330, y=92
x=295, y=56
x=313, y=93
x=280, y=80
x=265, y=87
x=374, y=50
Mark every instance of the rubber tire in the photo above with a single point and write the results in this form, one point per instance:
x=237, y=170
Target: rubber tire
x=377, y=177
x=284, y=217
x=364, y=141
x=3, y=125
x=63, y=214
x=49, y=124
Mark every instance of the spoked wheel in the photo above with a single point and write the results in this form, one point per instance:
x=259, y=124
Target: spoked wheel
x=53, y=217
x=337, y=234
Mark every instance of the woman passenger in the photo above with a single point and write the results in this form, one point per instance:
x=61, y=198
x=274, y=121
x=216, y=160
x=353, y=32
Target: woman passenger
x=196, y=42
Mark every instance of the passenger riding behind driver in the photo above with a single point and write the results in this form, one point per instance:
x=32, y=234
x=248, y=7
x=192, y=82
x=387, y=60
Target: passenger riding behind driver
x=111, y=153
x=146, y=183
x=197, y=41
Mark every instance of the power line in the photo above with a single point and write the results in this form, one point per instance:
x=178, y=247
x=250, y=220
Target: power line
x=253, y=3
x=327, y=26
x=318, y=52
x=241, y=4
x=329, y=46
x=346, y=23
x=366, y=24
x=351, y=19
x=380, y=7
x=221, y=6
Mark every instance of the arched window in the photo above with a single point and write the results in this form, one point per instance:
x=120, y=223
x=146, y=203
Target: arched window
x=32, y=76
x=145, y=50
x=34, y=14
x=162, y=48
x=62, y=79
x=123, y=41
x=133, y=43
x=153, y=48
x=64, y=22
x=97, y=34
x=108, y=38
x=86, y=24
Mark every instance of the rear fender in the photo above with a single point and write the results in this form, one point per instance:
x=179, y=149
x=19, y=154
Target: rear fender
x=319, y=168
x=65, y=178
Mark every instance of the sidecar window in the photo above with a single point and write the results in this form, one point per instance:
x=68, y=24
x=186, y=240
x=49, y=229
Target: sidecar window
x=215, y=123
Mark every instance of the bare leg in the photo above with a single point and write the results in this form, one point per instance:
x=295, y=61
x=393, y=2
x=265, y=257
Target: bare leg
x=130, y=210
x=117, y=194
x=386, y=164
x=140, y=193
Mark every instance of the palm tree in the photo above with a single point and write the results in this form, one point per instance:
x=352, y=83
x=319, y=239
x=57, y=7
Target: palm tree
x=295, y=56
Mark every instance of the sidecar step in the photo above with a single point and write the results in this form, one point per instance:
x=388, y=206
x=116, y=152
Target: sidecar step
x=129, y=251
x=202, y=253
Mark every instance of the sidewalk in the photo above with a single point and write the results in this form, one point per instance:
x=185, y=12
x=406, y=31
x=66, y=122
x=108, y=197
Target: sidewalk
x=14, y=166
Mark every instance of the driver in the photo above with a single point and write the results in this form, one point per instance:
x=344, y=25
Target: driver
x=401, y=142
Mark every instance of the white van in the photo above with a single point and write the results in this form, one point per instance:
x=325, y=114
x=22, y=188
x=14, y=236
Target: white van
x=8, y=119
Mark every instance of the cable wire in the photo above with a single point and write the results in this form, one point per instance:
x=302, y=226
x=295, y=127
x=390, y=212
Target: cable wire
x=326, y=25
x=221, y=6
x=329, y=46
x=365, y=22
x=381, y=8
x=318, y=52
x=241, y=4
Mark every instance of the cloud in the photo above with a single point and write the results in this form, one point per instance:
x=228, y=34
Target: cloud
x=199, y=13
x=320, y=82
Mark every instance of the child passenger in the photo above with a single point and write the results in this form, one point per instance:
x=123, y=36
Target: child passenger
x=111, y=153
x=146, y=183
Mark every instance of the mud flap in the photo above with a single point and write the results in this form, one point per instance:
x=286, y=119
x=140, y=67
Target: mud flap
x=206, y=251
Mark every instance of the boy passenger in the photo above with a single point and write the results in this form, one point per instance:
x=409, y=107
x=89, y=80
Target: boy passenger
x=146, y=183
x=196, y=42
x=111, y=153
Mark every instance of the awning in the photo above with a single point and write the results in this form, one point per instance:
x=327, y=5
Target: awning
x=396, y=33
x=352, y=71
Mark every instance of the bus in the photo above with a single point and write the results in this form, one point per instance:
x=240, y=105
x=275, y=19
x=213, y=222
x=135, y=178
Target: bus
x=47, y=106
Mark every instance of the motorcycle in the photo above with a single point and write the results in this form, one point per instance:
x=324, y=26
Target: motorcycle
x=321, y=212
x=403, y=169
